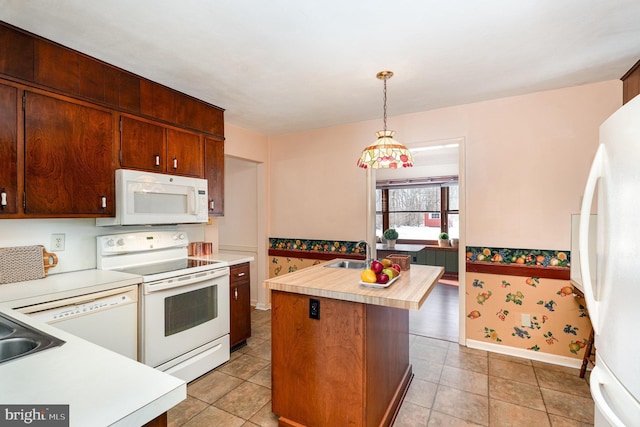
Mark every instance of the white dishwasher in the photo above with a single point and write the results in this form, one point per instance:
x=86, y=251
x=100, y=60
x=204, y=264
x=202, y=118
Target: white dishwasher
x=107, y=318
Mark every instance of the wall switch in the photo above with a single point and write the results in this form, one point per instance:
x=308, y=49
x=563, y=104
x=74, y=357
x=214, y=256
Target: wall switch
x=57, y=242
x=526, y=320
x=314, y=308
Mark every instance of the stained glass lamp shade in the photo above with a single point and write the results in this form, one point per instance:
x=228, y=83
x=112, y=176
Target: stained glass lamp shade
x=386, y=152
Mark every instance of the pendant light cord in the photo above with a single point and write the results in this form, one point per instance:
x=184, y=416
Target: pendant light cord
x=385, y=105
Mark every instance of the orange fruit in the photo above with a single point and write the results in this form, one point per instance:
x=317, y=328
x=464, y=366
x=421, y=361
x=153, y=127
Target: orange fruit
x=368, y=276
x=386, y=262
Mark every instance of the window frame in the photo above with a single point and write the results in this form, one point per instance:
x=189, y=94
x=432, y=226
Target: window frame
x=444, y=184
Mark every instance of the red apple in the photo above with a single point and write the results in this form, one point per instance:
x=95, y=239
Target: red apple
x=382, y=278
x=376, y=266
x=397, y=267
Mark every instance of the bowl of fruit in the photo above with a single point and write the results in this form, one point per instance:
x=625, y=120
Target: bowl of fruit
x=380, y=274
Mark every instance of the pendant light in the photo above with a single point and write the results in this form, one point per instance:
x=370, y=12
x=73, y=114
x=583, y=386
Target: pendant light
x=386, y=152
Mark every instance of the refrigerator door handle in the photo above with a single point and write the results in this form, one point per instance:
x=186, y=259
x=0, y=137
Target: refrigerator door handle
x=598, y=395
x=589, y=192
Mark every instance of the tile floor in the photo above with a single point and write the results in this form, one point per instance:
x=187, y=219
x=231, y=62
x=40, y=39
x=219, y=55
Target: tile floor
x=452, y=386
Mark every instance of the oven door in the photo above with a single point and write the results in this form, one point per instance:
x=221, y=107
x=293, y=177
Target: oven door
x=183, y=313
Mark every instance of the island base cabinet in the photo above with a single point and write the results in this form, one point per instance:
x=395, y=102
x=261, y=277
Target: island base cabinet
x=350, y=367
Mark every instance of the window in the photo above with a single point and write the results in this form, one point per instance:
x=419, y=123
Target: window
x=419, y=210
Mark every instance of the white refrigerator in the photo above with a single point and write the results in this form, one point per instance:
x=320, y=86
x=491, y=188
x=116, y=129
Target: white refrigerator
x=612, y=288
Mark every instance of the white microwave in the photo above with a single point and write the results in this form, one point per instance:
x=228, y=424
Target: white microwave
x=145, y=198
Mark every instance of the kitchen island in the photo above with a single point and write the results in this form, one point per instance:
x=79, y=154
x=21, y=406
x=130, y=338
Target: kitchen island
x=340, y=350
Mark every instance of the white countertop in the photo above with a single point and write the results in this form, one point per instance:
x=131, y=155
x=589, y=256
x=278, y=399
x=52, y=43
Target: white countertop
x=102, y=388
x=228, y=257
x=63, y=285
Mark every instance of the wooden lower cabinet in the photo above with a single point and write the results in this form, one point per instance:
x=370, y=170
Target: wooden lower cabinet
x=348, y=368
x=240, y=302
x=159, y=421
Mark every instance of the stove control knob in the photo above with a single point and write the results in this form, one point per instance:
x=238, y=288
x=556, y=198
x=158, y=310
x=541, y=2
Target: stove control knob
x=180, y=236
x=120, y=242
x=110, y=243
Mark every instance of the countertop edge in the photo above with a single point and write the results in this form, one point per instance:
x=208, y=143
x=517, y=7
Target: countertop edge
x=63, y=285
x=59, y=375
x=228, y=257
x=361, y=294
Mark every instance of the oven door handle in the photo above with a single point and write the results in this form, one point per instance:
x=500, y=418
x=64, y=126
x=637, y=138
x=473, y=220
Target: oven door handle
x=182, y=282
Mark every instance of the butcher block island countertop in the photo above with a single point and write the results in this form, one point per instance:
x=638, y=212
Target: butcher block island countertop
x=339, y=349
x=409, y=291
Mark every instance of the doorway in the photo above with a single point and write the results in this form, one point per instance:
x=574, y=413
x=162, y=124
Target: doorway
x=442, y=315
x=242, y=227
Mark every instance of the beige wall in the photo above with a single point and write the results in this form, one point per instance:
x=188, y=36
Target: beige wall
x=527, y=158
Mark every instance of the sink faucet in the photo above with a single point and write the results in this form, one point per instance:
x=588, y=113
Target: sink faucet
x=367, y=248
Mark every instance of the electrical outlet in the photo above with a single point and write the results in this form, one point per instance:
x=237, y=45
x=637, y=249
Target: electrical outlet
x=57, y=242
x=314, y=309
x=526, y=320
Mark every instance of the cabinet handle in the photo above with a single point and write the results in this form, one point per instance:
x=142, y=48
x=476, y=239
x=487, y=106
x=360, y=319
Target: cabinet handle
x=241, y=274
x=103, y=202
x=156, y=159
x=175, y=163
x=235, y=293
x=3, y=199
x=212, y=204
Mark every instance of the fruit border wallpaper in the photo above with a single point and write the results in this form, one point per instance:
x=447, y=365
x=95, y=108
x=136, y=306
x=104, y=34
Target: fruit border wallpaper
x=340, y=246
x=529, y=257
x=495, y=304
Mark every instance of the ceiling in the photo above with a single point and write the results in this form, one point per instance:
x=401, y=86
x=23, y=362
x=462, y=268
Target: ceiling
x=283, y=66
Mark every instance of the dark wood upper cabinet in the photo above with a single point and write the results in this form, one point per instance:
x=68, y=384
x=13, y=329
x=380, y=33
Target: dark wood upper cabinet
x=91, y=83
x=214, y=173
x=631, y=83
x=56, y=67
x=16, y=54
x=157, y=101
x=184, y=153
x=68, y=158
x=143, y=145
x=8, y=149
x=59, y=112
x=197, y=115
x=148, y=146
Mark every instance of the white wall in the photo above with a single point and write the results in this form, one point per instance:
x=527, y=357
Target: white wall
x=243, y=229
x=80, y=238
x=527, y=158
x=238, y=228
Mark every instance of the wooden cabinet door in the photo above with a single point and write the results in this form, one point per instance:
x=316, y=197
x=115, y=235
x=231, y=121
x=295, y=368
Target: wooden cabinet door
x=16, y=53
x=214, y=173
x=240, y=298
x=68, y=158
x=184, y=153
x=8, y=149
x=143, y=145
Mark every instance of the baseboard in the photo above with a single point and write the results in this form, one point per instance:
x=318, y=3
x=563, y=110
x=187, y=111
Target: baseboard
x=526, y=354
x=263, y=306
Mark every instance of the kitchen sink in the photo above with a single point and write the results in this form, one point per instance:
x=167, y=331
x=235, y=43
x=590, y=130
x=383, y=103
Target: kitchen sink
x=18, y=339
x=358, y=265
